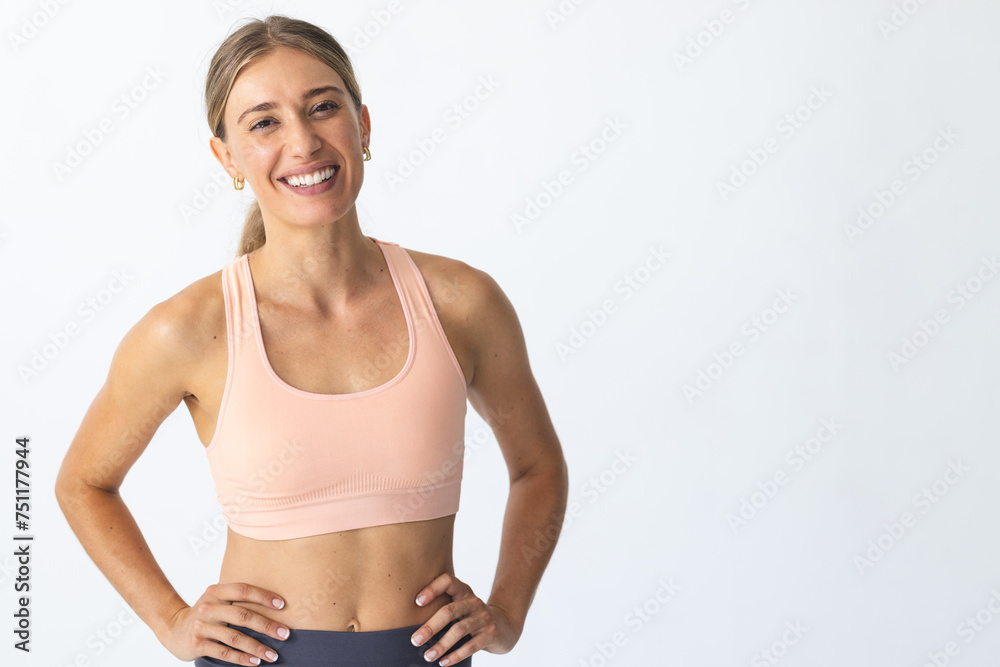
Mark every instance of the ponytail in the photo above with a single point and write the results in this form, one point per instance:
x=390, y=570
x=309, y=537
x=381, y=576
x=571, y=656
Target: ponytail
x=253, y=231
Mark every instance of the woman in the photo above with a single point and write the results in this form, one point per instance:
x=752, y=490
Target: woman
x=327, y=374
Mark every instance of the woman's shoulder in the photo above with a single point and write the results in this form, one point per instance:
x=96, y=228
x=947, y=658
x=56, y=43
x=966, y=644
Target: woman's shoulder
x=463, y=294
x=185, y=323
x=451, y=282
x=200, y=301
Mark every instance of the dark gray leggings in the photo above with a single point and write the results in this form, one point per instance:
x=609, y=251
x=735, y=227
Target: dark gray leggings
x=316, y=648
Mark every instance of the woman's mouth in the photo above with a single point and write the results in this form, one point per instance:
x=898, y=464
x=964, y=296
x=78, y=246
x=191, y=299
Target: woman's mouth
x=320, y=180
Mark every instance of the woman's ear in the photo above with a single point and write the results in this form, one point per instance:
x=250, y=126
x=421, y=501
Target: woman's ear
x=366, y=122
x=222, y=154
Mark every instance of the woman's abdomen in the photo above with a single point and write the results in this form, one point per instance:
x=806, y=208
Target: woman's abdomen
x=360, y=580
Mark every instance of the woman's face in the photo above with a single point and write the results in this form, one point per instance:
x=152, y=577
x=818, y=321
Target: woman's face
x=289, y=114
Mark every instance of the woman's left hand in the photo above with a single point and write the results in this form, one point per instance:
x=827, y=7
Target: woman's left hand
x=489, y=627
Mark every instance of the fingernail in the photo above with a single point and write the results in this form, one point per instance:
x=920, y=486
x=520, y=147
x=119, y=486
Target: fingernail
x=444, y=662
x=283, y=633
x=278, y=603
x=421, y=600
x=417, y=639
x=255, y=660
x=271, y=655
x=430, y=655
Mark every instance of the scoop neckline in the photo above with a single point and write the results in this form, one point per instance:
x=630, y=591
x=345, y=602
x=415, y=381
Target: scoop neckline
x=400, y=293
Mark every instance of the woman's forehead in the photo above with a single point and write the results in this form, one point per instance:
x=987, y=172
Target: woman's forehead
x=285, y=72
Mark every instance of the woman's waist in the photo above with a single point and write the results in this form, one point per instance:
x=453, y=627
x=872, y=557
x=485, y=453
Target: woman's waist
x=357, y=613
x=340, y=582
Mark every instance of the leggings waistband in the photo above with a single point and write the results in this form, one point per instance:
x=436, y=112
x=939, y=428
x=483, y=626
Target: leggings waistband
x=328, y=648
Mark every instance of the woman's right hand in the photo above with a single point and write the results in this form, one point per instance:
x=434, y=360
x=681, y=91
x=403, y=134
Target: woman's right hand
x=201, y=629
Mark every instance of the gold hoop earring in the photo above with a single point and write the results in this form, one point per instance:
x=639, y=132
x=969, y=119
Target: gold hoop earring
x=368, y=154
x=238, y=183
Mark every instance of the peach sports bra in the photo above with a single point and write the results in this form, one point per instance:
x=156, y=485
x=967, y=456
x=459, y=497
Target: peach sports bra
x=289, y=463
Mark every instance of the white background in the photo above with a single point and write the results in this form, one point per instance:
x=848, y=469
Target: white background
x=668, y=517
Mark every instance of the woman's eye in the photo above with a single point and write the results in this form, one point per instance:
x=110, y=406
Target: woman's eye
x=264, y=123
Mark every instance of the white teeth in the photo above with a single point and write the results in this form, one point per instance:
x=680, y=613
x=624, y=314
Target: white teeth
x=311, y=179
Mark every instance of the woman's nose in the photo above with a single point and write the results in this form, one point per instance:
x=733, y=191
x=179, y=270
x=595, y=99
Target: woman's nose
x=303, y=140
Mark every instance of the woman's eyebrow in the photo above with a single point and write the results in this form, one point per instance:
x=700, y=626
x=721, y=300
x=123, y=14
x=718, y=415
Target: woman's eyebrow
x=266, y=106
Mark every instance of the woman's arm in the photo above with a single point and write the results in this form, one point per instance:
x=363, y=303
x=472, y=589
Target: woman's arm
x=483, y=325
x=504, y=392
x=144, y=385
x=146, y=382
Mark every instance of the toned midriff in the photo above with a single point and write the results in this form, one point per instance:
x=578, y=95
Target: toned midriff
x=357, y=580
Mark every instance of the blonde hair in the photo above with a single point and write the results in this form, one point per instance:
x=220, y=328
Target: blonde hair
x=258, y=38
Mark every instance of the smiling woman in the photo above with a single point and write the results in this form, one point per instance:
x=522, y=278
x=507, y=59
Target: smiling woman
x=327, y=374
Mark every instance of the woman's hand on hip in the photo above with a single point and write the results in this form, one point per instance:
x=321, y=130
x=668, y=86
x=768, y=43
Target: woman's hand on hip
x=489, y=627
x=202, y=630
